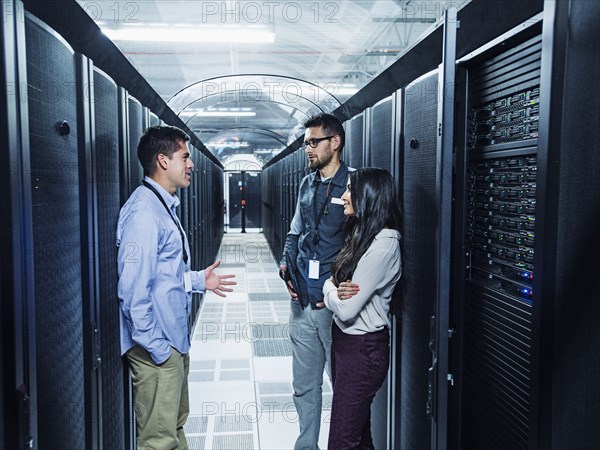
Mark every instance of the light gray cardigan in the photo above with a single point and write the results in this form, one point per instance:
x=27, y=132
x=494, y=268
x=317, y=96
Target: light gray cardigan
x=376, y=274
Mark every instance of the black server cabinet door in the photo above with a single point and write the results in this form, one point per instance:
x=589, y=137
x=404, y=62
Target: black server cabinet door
x=380, y=149
x=136, y=173
x=381, y=137
x=235, y=199
x=419, y=260
x=106, y=149
x=253, y=199
x=57, y=238
x=135, y=130
x=498, y=317
x=244, y=200
x=573, y=140
x=356, y=150
x=154, y=120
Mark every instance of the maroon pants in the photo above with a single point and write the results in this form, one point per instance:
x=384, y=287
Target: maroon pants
x=359, y=365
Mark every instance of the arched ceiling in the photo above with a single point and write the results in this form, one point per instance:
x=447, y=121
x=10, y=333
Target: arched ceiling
x=244, y=75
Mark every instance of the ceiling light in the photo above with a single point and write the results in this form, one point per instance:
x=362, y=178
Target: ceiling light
x=174, y=34
x=228, y=144
x=345, y=91
x=217, y=113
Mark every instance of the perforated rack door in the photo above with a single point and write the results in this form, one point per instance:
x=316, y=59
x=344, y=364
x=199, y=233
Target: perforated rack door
x=106, y=148
x=500, y=211
x=57, y=237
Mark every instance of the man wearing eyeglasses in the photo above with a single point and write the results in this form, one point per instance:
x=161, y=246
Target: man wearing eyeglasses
x=314, y=239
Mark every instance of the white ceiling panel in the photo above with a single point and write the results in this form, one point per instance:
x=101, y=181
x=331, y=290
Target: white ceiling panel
x=331, y=44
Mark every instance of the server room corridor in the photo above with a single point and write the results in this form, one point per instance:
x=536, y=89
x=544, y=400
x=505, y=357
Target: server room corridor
x=240, y=361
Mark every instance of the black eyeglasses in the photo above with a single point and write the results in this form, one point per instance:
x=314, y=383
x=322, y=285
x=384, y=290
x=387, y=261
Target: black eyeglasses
x=315, y=141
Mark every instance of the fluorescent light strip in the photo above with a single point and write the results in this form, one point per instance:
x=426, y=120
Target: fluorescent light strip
x=172, y=34
x=345, y=91
x=218, y=113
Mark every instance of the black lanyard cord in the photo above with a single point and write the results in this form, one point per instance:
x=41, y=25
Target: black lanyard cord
x=323, y=208
x=162, y=200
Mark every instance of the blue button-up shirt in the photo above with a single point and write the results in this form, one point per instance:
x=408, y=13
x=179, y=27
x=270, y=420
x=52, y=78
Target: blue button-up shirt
x=154, y=303
x=300, y=240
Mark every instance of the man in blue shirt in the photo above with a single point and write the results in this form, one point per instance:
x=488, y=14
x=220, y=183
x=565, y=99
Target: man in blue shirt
x=314, y=239
x=155, y=290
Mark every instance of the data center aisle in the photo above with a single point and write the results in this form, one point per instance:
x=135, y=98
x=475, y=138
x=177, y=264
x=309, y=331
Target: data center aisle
x=240, y=361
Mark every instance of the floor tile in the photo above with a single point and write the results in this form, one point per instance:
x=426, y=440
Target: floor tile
x=241, y=394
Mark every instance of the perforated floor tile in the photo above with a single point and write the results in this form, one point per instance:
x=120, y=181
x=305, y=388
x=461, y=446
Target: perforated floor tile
x=196, y=425
x=233, y=441
x=268, y=297
x=273, y=347
x=195, y=442
x=233, y=423
x=241, y=394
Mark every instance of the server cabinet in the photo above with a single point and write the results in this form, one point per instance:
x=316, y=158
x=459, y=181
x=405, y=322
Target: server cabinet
x=420, y=219
x=57, y=265
x=105, y=147
x=498, y=315
x=135, y=129
x=17, y=308
x=566, y=244
x=381, y=135
x=89, y=241
x=397, y=170
x=235, y=199
x=184, y=210
x=195, y=206
x=253, y=200
x=381, y=122
x=153, y=120
x=356, y=142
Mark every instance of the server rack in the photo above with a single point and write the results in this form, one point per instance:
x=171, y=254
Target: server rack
x=496, y=313
x=105, y=147
x=568, y=294
x=381, y=134
x=356, y=143
x=73, y=163
x=135, y=128
x=420, y=219
x=153, y=119
x=381, y=123
x=57, y=265
x=88, y=201
x=17, y=309
x=397, y=170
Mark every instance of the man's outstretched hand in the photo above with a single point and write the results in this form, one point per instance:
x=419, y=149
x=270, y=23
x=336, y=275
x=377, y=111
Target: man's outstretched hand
x=217, y=283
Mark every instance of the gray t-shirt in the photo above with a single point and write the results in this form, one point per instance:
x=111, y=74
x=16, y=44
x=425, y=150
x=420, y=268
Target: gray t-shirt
x=376, y=274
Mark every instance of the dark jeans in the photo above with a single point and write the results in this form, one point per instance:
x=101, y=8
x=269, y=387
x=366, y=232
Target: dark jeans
x=359, y=365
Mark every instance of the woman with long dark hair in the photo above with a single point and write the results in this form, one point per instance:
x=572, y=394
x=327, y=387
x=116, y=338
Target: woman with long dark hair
x=364, y=275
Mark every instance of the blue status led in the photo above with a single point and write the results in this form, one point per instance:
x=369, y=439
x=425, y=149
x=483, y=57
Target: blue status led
x=527, y=275
x=526, y=291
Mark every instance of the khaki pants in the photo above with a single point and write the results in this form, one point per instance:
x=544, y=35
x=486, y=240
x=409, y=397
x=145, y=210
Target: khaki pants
x=161, y=399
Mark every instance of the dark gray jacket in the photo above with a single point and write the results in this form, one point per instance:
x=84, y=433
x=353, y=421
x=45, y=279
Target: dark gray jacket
x=301, y=241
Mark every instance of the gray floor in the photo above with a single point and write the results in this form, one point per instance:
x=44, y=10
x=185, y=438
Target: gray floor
x=241, y=365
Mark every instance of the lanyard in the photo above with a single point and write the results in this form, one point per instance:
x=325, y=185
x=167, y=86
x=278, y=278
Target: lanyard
x=162, y=200
x=323, y=208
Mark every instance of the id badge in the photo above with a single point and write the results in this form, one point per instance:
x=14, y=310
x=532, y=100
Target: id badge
x=313, y=269
x=187, y=281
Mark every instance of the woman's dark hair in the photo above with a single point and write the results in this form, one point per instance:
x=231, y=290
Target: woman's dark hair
x=376, y=207
x=158, y=139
